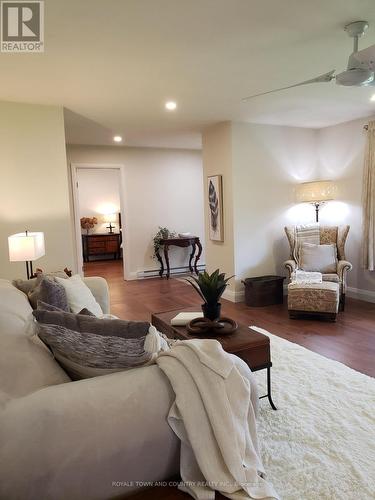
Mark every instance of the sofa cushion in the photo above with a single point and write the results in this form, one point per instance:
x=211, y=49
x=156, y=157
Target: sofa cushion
x=318, y=258
x=79, y=295
x=25, y=364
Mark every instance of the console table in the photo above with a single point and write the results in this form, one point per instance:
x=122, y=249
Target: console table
x=192, y=241
x=101, y=244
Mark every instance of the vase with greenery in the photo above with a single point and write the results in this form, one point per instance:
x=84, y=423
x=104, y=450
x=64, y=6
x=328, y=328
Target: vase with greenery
x=210, y=288
x=162, y=234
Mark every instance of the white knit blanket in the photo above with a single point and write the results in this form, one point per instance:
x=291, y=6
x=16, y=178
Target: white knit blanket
x=306, y=233
x=303, y=277
x=214, y=418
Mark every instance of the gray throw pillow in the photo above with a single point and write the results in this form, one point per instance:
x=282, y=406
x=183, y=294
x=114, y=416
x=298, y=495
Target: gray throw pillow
x=51, y=292
x=48, y=307
x=318, y=258
x=91, y=324
x=84, y=355
x=31, y=287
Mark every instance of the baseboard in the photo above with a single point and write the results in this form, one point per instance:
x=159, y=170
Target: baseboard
x=234, y=296
x=154, y=273
x=358, y=293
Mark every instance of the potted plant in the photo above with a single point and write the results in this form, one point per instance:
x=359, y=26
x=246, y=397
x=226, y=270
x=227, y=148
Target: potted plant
x=162, y=234
x=210, y=288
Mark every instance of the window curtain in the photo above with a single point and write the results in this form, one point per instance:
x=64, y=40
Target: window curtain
x=369, y=200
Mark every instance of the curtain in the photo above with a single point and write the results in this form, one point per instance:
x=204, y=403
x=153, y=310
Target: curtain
x=369, y=200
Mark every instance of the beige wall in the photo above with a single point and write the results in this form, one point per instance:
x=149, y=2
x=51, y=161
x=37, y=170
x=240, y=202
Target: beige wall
x=161, y=187
x=217, y=160
x=34, y=185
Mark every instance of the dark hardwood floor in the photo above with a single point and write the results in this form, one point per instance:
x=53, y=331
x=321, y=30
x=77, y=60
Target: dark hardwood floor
x=351, y=340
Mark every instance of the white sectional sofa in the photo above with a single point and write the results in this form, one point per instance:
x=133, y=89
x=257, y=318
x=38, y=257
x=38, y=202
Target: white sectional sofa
x=97, y=438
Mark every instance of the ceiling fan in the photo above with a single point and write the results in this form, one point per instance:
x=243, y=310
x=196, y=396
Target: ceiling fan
x=360, y=70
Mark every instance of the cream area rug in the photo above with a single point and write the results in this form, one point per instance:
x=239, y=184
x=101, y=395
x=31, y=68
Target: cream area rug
x=320, y=443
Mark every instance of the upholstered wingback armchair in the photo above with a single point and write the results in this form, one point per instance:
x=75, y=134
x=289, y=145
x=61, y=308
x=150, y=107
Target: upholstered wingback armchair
x=328, y=235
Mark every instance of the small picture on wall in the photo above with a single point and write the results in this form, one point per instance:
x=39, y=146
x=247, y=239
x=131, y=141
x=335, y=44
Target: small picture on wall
x=215, y=207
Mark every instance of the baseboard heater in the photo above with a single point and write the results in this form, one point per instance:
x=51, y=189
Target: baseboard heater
x=175, y=271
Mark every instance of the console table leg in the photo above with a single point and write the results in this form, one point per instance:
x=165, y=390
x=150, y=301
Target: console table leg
x=166, y=256
x=269, y=388
x=158, y=256
x=198, y=256
x=191, y=257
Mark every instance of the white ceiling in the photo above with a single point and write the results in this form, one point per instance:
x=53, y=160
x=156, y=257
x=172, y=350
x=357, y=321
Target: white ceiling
x=114, y=63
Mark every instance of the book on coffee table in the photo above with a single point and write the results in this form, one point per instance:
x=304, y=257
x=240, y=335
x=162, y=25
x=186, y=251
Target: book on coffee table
x=183, y=318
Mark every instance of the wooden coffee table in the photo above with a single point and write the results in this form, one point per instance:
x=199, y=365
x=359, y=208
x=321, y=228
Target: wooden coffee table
x=251, y=346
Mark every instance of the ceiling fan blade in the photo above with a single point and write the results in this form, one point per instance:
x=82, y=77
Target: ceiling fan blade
x=326, y=77
x=366, y=57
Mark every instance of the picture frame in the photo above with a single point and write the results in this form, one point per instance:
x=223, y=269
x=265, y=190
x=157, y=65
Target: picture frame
x=215, y=207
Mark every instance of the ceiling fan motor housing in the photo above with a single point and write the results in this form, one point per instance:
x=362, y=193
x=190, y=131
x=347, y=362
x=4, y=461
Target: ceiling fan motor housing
x=355, y=77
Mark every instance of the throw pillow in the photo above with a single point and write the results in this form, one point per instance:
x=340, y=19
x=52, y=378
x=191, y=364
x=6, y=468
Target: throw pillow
x=53, y=293
x=31, y=287
x=79, y=295
x=85, y=355
x=48, y=307
x=318, y=258
x=91, y=324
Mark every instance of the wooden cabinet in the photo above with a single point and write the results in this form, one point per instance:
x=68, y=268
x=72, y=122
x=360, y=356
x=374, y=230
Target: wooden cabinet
x=101, y=245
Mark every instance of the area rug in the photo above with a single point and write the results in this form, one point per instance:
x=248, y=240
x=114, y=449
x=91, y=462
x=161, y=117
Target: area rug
x=320, y=443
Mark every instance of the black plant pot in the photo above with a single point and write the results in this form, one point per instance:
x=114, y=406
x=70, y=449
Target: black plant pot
x=211, y=311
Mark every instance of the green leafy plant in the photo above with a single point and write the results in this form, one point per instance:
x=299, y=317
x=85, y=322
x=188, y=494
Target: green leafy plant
x=210, y=287
x=162, y=234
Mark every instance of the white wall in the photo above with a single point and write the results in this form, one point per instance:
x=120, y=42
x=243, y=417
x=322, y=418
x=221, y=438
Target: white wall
x=34, y=190
x=263, y=168
x=98, y=193
x=162, y=187
x=267, y=163
x=341, y=157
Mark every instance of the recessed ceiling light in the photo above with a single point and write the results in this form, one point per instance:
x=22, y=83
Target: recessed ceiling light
x=170, y=105
x=372, y=98
x=117, y=138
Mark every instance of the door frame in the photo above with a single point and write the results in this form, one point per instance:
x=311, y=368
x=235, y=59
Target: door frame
x=123, y=210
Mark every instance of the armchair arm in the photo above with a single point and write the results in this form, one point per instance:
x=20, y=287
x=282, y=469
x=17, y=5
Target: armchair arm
x=343, y=266
x=73, y=440
x=291, y=266
x=100, y=290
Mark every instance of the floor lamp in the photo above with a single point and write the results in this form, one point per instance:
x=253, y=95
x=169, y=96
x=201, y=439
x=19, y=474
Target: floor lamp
x=316, y=193
x=26, y=247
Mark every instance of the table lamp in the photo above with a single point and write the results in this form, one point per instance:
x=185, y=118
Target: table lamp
x=110, y=218
x=26, y=247
x=316, y=193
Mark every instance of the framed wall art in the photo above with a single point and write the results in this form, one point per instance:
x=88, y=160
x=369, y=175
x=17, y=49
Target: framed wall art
x=215, y=207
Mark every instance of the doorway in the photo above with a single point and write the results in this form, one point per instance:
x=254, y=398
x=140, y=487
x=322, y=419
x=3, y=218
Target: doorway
x=98, y=199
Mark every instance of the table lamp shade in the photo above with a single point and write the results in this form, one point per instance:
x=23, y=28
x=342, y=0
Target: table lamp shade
x=26, y=246
x=317, y=191
x=110, y=217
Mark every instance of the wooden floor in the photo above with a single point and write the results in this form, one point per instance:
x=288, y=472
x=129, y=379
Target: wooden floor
x=351, y=340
